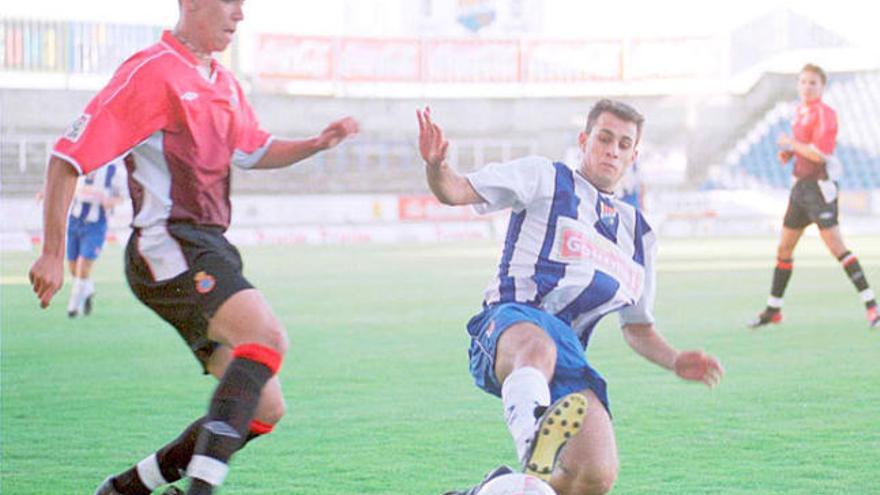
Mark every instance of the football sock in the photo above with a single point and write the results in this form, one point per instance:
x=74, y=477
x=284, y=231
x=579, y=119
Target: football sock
x=781, y=275
x=523, y=390
x=854, y=271
x=168, y=464
x=229, y=416
x=76, y=290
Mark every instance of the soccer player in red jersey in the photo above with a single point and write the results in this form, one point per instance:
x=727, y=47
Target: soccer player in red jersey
x=179, y=120
x=813, y=197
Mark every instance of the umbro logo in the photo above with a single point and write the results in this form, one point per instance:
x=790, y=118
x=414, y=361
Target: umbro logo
x=189, y=96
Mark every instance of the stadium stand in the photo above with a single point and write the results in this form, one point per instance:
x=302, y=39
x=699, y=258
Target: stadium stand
x=855, y=97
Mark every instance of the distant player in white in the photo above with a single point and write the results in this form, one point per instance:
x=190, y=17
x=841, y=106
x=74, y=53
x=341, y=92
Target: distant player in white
x=573, y=253
x=96, y=194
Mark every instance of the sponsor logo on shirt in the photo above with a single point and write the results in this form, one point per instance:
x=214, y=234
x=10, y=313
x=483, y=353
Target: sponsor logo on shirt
x=77, y=128
x=204, y=282
x=578, y=244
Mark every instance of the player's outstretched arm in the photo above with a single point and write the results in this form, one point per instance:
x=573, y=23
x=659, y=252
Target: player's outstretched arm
x=447, y=185
x=689, y=365
x=47, y=273
x=286, y=152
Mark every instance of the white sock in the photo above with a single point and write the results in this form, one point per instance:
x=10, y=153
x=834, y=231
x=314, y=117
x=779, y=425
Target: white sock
x=87, y=288
x=75, y=291
x=523, y=390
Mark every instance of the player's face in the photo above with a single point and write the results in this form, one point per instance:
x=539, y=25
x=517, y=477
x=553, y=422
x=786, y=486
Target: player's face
x=608, y=150
x=215, y=22
x=810, y=86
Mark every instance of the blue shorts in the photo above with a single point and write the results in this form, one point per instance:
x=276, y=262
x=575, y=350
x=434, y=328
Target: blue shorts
x=572, y=372
x=85, y=239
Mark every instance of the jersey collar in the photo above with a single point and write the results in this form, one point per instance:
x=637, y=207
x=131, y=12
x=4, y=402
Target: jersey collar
x=181, y=49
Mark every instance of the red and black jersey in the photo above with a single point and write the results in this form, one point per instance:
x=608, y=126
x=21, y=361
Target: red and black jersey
x=178, y=126
x=814, y=123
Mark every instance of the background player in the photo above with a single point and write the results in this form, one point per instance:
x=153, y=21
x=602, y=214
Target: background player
x=97, y=193
x=813, y=198
x=179, y=120
x=631, y=188
x=573, y=254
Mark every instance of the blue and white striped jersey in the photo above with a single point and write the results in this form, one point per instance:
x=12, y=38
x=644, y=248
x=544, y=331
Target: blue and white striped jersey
x=92, y=188
x=570, y=249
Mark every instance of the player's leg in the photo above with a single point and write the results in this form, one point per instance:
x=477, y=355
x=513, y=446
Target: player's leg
x=246, y=324
x=168, y=464
x=781, y=275
x=588, y=463
x=797, y=217
x=87, y=294
x=525, y=357
x=192, y=278
x=517, y=353
x=93, y=238
x=832, y=238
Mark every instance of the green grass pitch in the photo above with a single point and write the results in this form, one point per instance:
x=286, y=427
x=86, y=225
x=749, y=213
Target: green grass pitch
x=380, y=401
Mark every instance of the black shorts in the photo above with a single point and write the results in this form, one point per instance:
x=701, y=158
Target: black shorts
x=212, y=274
x=807, y=204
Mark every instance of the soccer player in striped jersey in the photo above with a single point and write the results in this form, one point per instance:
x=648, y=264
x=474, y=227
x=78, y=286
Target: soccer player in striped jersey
x=573, y=254
x=96, y=195
x=180, y=120
x=813, y=197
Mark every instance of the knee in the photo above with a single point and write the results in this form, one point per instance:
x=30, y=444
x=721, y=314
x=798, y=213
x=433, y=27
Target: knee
x=597, y=480
x=538, y=351
x=784, y=252
x=272, y=335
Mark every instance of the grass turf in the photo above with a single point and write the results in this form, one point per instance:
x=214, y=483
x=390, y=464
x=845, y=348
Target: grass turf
x=380, y=401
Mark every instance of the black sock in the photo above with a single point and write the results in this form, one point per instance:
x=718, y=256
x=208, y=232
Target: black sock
x=854, y=271
x=232, y=409
x=172, y=459
x=781, y=275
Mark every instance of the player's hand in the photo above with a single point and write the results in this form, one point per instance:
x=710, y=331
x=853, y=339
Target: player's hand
x=785, y=142
x=338, y=130
x=698, y=366
x=46, y=276
x=432, y=145
x=784, y=156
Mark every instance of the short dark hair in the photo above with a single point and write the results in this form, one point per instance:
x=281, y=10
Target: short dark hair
x=618, y=109
x=815, y=69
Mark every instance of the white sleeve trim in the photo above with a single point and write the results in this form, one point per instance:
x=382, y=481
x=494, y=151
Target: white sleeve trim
x=69, y=160
x=245, y=160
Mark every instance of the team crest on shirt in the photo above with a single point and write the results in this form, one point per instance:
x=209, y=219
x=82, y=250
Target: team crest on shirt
x=77, y=127
x=608, y=214
x=204, y=282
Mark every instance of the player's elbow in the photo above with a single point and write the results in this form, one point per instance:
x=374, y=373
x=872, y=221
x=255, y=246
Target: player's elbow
x=447, y=199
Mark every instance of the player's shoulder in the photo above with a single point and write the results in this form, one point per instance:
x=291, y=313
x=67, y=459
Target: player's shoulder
x=827, y=110
x=154, y=59
x=144, y=69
